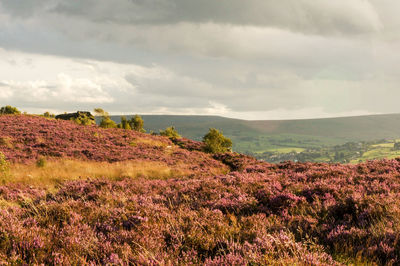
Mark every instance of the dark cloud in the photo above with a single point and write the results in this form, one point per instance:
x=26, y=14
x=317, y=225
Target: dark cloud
x=232, y=57
x=320, y=17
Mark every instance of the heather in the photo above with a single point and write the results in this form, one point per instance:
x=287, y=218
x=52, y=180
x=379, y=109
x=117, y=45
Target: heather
x=26, y=138
x=250, y=212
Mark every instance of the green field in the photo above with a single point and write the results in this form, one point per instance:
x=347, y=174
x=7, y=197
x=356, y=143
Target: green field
x=379, y=151
x=266, y=138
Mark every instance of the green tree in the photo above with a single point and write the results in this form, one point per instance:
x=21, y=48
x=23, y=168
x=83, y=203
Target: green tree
x=9, y=110
x=106, y=121
x=137, y=123
x=124, y=123
x=84, y=119
x=216, y=142
x=49, y=115
x=170, y=132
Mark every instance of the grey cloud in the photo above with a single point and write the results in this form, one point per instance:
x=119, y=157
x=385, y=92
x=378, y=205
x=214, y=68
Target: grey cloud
x=244, y=56
x=310, y=16
x=22, y=8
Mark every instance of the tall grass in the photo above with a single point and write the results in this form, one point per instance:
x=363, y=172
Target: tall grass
x=58, y=171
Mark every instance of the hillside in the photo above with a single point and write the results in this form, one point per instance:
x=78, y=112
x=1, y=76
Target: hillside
x=257, y=137
x=26, y=138
x=118, y=197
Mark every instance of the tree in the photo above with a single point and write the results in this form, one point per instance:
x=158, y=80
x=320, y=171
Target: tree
x=9, y=110
x=216, y=142
x=170, y=132
x=124, y=123
x=106, y=121
x=49, y=115
x=84, y=119
x=137, y=123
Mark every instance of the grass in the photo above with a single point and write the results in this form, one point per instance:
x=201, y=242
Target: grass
x=148, y=142
x=59, y=171
x=379, y=151
x=383, y=145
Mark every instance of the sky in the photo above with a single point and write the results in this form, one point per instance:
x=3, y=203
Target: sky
x=252, y=59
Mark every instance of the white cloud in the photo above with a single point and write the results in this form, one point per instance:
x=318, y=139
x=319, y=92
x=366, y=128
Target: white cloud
x=253, y=59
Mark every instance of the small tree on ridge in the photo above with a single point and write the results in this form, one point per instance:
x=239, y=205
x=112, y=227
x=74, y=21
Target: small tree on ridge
x=170, y=132
x=9, y=110
x=216, y=142
x=106, y=121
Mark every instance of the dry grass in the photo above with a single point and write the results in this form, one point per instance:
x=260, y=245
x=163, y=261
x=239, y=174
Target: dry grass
x=56, y=172
x=149, y=142
x=6, y=142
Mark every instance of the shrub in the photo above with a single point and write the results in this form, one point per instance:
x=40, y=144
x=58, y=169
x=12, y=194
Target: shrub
x=124, y=123
x=79, y=117
x=106, y=121
x=170, y=132
x=84, y=119
x=137, y=123
x=216, y=142
x=9, y=110
x=49, y=115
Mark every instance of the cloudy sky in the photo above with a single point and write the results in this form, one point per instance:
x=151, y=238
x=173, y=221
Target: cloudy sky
x=252, y=59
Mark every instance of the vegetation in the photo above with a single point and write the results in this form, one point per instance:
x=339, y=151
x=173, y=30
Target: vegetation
x=124, y=123
x=105, y=201
x=84, y=119
x=106, y=121
x=216, y=142
x=257, y=137
x=4, y=165
x=9, y=110
x=137, y=123
x=121, y=197
x=49, y=115
x=170, y=132
x=41, y=162
x=79, y=117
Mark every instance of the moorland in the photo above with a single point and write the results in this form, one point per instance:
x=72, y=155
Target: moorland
x=82, y=194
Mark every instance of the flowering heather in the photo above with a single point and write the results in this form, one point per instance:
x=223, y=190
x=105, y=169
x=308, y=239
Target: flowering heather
x=257, y=214
x=27, y=138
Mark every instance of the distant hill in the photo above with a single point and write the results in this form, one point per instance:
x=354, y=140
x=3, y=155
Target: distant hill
x=260, y=136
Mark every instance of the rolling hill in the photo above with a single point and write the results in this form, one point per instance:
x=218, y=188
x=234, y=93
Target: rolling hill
x=120, y=197
x=261, y=136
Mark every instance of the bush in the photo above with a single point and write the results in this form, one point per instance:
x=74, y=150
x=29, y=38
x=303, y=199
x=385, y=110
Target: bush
x=79, y=117
x=84, y=119
x=170, y=132
x=106, y=121
x=49, y=115
x=137, y=123
x=216, y=142
x=124, y=123
x=9, y=110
